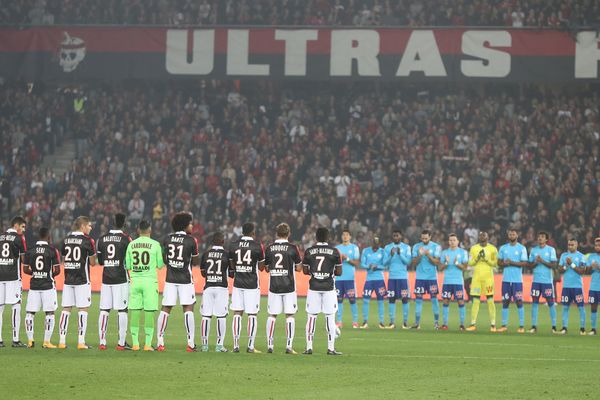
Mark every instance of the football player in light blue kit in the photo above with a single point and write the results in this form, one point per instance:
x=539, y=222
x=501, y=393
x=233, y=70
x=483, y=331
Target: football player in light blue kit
x=542, y=258
x=453, y=261
x=512, y=257
x=372, y=260
x=397, y=258
x=593, y=267
x=573, y=264
x=425, y=256
x=344, y=284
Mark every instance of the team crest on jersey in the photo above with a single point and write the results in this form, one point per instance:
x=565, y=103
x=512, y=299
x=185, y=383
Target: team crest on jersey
x=72, y=52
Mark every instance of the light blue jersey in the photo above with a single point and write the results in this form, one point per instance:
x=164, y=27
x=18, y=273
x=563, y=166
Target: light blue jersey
x=595, y=283
x=370, y=257
x=541, y=273
x=353, y=253
x=398, y=262
x=454, y=275
x=425, y=269
x=513, y=253
x=572, y=279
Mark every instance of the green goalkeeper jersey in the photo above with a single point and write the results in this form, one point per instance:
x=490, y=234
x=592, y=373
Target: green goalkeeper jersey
x=143, y=258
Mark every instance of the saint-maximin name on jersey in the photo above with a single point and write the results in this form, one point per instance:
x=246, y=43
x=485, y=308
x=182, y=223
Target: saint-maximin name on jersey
x=178, y=250
x=281, y=258
x=111, y=250
x=215, y=264
x=321, y=260
x=41, y=258
x=76, y=250
x=245, y=254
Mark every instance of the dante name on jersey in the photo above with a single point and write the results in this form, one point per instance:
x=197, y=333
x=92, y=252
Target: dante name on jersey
x=178, y=250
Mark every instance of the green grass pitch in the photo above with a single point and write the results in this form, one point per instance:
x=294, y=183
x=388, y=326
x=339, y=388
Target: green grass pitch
x=376, y=363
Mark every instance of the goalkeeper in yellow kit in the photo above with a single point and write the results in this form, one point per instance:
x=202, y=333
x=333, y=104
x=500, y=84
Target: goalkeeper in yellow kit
x=484, y=258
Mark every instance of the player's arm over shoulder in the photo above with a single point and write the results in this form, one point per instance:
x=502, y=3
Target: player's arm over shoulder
x=306, y=264
x=27, y=263
x=128, y=260
x=203, y=263
x=158, y=252
x=92, y=251
x=337, y=260
x=55, y=261
x=297, y=259
x=261, y=257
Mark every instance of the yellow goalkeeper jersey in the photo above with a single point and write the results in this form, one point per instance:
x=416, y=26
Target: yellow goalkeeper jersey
x=483, y=267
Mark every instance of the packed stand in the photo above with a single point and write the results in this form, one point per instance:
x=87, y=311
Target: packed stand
x=533, y=13
x=370, y=160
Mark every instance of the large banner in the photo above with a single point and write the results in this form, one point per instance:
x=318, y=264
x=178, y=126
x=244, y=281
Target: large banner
x=512, y=55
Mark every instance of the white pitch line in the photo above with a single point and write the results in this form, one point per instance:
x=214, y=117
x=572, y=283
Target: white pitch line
x=442, y=341
x=475, y=358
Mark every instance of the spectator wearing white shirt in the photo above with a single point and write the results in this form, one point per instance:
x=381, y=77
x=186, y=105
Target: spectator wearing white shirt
x=136, y=208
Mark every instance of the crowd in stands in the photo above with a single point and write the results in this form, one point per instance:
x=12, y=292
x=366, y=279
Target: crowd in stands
x=516, y=13
x=358, y=156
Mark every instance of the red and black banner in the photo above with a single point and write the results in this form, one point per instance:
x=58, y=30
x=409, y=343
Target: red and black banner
x=511, y=55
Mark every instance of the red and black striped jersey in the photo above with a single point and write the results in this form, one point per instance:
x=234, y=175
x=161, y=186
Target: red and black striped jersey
x=12, y=245
x=41, y=258
x=111, y=251
x=281, y=258
x=77, y=248
x=245, y=254
x=178, y=250
x=321, y=260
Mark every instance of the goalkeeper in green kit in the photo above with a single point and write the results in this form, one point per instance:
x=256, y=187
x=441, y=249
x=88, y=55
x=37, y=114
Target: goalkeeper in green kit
x=143, y=258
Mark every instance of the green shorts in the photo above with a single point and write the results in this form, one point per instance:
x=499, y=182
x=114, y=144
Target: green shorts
x=143, y=294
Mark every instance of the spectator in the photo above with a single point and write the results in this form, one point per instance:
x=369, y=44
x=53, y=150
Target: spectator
x=454, y=160
x=136, y=208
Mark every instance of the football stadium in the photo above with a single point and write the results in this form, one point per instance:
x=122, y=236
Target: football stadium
x=311, y=199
